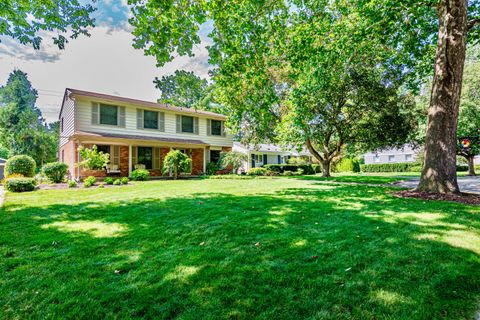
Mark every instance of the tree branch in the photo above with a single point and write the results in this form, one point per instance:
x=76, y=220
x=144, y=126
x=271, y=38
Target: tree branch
x=313, y=151
x=472, y=23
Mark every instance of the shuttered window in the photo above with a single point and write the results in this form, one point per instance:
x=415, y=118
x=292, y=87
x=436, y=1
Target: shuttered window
x=150, y=119
x=216, y=127
x=187, y=124
x=109, y=114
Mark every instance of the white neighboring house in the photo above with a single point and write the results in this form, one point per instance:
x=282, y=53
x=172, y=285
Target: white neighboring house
x=263, y=154
x=2, y=167
x=407, y=153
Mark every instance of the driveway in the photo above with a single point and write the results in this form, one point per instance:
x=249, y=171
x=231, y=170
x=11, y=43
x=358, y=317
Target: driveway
x=467, y=184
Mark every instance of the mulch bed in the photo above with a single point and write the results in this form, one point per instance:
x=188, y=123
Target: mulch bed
x=465, y=198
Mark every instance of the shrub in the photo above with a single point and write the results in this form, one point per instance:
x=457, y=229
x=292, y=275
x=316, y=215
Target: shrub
x=416, y=168
x=212, y=168
x=389, y=167
x=117, y=182
x=93, y=159
x=140, y=175
x=176, y=161
x=462, y=167
x=20, y=184
x=55, y=171
x=233, y=159
x=297, y=161
x=280, y=168
x=90, y=181
x=21, y=164
x=124, y=180
x=299, y=172
x=257, y=172
x=101, y=185
x=108, y=180
x=288, y=173
x=347, y=165
x=72, y=183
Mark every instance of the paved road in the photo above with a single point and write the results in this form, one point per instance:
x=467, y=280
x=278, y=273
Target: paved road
x=467, y=184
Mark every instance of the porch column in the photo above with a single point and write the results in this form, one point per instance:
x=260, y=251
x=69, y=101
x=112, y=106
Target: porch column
x=78, y=162
x=129, y=159
x=204, y=159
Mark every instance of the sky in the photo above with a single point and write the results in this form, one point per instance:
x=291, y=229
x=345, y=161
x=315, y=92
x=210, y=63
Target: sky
x=105, y=62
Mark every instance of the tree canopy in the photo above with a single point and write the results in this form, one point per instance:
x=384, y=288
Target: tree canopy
x=24, y=19
x=22, y=127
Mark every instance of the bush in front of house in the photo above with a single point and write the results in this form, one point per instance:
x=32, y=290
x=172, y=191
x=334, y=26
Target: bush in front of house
x=140, y=175
x=72, y=183
x=20, y=184
x=89, y=181
x=93, y=159
x=176, y=162
x=124, y=180
x=212, y=168
x=281, y=168
x=347, y=165
x=257, y=172
x=20, y=164
x=117, y=182
x=389, y=167
x=55, y=171
x=108, y=180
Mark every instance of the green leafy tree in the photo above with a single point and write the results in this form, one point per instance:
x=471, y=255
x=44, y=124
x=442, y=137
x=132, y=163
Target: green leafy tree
x=23, y=20
x=183, y=89
x=233, y=159
x=22, y=127
x=404, y=36
x=93, y=159
x=176, y=162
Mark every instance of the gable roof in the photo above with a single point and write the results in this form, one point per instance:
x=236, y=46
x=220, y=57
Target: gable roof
x=135, y=102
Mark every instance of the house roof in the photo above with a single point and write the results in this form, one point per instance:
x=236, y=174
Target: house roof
x=136, y=102
x=136, y=137
x=272, y=148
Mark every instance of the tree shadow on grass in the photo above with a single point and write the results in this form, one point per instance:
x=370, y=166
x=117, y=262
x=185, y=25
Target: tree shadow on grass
x=325, y=252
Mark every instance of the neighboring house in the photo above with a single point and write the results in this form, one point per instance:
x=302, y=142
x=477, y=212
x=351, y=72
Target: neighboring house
x=407, y=153
x=2, y=167
x=263, y=154
x=136, y=133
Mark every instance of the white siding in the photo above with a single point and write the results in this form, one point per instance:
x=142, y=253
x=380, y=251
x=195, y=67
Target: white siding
x=272, y=159
x=392, y=155
x=68, y=115
x=84, y=123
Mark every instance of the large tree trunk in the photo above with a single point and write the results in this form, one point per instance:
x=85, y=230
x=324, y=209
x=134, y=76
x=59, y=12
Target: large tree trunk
x=439, y=172
x=471, y=165
x=326, y=168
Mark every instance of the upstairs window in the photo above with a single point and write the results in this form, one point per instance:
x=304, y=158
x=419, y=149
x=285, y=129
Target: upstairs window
x=108, y=114
x=150, y=119
x=187, y=124
x=216, y=127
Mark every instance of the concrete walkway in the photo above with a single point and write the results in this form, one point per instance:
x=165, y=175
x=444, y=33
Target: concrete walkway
x=467, y=184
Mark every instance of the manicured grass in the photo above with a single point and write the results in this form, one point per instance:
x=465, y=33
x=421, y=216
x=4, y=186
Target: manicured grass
x=242, y=249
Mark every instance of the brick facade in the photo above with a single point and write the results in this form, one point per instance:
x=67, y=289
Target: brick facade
x=197, y=161
x=124, y=161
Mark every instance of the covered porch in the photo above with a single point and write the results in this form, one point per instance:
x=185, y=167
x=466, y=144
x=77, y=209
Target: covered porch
x=128, y=153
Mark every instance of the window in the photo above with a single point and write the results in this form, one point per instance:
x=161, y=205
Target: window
x=145, y=156
x=187, y=124
x=408, y=157
x=214, y=156
x=103, y=148
x=257, y=157
x=391, y=158
x=216, y=127
x=150, y=119
x=108, y=114
x=376, y=158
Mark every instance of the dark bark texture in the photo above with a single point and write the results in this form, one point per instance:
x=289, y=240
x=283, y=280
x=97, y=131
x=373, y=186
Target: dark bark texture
x=471, y=165
x=439, y=171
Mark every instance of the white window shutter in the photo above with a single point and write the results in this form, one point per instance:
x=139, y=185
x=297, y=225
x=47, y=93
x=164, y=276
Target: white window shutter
x=209, y=127
x=115, y=156
x=179, y=123
x=134, y=156
x=121, y=117
x=95, y=113
x=224, y=134
x=161, y=121
x=156, y=158
x=139, y=119
x=195, y=125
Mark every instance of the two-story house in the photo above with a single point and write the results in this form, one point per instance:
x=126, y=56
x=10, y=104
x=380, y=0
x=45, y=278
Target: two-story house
x=136, y=133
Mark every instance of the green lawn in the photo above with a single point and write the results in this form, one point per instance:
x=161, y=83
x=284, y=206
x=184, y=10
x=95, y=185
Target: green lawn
x=240, y=249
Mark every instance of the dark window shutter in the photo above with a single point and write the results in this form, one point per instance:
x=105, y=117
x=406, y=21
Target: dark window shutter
x=264, y=159
x=253, y=161
x=279, y=158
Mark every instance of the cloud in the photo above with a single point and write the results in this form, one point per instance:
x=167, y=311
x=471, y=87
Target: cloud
x=11, y=48
x=112, y=14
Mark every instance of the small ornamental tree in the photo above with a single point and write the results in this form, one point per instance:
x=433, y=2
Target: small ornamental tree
x=233, y=159
x=176, y=161
x=20, y=164
x=93, y=159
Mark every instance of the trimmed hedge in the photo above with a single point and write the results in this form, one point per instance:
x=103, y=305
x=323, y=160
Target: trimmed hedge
x=20, y=164
x=400, y=167
x=347, y=165
x=55, y=171
x=281, y=168
x=20, y=184
x=140, y=175
x=257, y=172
